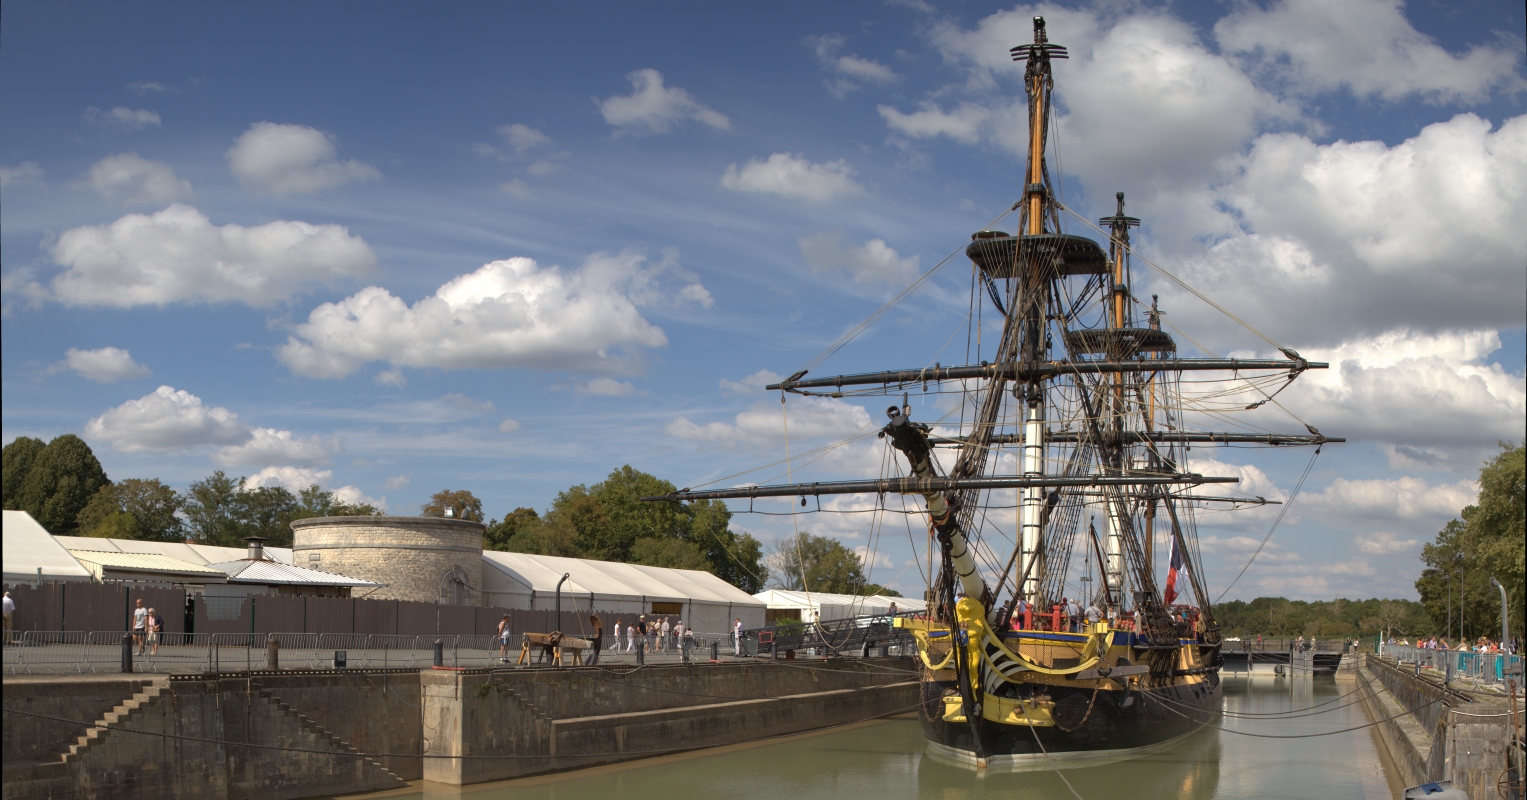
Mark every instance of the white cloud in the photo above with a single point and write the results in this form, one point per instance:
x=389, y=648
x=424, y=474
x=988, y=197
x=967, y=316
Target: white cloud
x=396, y=482
x=104, y=365
x=268, y=447
x=122, y=117
x=133, y=180
x=810, y=418
x=522, y=137
x=847, y=71
x=542, y=167
x=1383, y=543
x=872, y=264
x=178, y=256
x=517, y=189
x=1404, y=499
x=1365, y=46
x=391, y=377
x=794, y=178
x=1432, y=392
x=23, y=174
x=463, y=403
x=608, y=387
x=166, y=420
x=355, y=497
x=752, y=384
x=654, y=108
x=291, y=159
x=144, y=87
x=293, y=479
x=508, y=426
x=881, y=560
x=511, y=313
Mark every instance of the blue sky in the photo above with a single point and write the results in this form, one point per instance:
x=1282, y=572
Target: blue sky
x=395, y=249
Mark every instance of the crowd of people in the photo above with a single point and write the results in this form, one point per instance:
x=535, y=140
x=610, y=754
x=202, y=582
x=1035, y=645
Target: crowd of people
x=1483, y=644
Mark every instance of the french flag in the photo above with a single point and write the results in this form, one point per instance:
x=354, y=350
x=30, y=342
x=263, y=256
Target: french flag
x=1171, y=575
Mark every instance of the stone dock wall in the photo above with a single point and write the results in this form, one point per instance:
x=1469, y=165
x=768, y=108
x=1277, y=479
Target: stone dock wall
x=1429, y=740
x=294, y=734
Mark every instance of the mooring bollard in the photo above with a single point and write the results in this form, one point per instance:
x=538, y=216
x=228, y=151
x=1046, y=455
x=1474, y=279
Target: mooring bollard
x=715, y=651
x=127, y=652
x=864, y=649
x=273, y=654
x=641, y=654
x=439, y=653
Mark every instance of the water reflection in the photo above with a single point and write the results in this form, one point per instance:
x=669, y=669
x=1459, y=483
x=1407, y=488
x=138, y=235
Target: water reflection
x=885, y=761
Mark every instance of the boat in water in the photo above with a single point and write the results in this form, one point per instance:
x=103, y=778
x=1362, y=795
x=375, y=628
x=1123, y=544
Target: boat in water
x=1067, y=619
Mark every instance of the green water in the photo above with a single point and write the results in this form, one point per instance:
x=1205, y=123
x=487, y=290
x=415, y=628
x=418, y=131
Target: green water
x=884, y=761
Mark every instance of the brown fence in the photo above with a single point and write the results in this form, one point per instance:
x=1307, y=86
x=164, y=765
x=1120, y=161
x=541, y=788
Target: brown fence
x=108, y=607
x=92, y=606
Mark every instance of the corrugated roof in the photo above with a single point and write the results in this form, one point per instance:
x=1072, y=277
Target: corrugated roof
x=607, y=579
x=147, y=565
x=203, y=554
x=861, y=605
x=29, y=547
x=274, y=573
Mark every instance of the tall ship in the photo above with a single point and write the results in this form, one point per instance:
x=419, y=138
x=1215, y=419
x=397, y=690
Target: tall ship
x=1068, y=617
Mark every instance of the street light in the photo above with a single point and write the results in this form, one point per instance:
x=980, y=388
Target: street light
x=1503, y=629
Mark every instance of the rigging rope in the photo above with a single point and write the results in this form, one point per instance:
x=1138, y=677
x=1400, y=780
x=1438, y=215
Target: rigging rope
x=1281, y=513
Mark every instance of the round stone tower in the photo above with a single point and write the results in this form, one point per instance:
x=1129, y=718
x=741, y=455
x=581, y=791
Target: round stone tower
x=425, y=559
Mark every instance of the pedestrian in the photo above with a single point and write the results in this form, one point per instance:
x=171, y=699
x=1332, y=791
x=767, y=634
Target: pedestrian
x=10, y=608
x=892, y=611
x=652, y=634
x=598, y=638
x=503, y=640
x=154, y=626
x=737, y=637
x=140, y=625
x=616, y=638
x=666, y=643
x=630, y=637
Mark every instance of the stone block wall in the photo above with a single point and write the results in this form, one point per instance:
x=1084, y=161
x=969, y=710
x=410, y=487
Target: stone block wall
x=412, y=555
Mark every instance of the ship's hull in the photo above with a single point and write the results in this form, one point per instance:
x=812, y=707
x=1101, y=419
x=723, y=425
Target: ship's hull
x=1120, y=725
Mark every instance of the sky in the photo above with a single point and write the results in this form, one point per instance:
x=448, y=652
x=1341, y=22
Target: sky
x=394, y=248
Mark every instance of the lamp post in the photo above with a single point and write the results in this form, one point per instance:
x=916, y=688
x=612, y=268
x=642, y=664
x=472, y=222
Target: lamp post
x=1503, y=628
x=565, y=576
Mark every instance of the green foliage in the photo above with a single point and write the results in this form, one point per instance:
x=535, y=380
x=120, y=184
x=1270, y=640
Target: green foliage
x=15, y=462
x=819, y=564
x=462, y=503
x=133, y=509
x=610, y=521
x=499, y=534
x=1488, y=540
x=1278, y=617
x=222, y=511
x=53, y=483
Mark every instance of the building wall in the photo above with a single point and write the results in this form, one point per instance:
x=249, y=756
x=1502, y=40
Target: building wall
x=412, y=555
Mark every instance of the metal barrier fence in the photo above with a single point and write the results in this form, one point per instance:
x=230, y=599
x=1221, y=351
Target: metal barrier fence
x=1484, y=667
x=73, y=652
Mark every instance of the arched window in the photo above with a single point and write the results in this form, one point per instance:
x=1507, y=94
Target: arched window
x=453, y=587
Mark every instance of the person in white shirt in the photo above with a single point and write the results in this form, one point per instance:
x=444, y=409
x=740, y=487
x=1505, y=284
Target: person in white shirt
x=10, y=608
x=616, y=648
x=140, y=625
x=737, y=637
x=664, y=642
x=678, y=636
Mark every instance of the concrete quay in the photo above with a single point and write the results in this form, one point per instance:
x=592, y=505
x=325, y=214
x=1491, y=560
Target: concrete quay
x=301, y=733
x=1436, y=732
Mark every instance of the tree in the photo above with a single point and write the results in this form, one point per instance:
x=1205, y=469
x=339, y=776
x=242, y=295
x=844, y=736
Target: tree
x=211, y=509
x=672, y=553
x=499, y=534
x=58, y=482
x=266, y=512
x=817, y=564
x=134, y=509
x=462, y=503
x=15, y=462
x=1488, y=540
x=315, y=501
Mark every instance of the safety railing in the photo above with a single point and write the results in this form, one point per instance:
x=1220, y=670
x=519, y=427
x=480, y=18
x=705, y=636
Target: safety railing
x=1483, y=667
x=78, y=652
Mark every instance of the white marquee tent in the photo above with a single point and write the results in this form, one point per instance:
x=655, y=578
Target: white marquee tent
x=33, y=555
x=802, y=605
x=703, y=601
x=198, y=554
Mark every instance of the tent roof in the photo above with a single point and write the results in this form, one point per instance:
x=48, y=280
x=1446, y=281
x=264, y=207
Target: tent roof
x=147, y=566
x=202, y=554
x=612, y=579
x=28, y=547
x=785, y=598
x=272, y=573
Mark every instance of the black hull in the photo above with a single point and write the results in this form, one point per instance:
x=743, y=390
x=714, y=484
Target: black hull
x=1120, y=725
